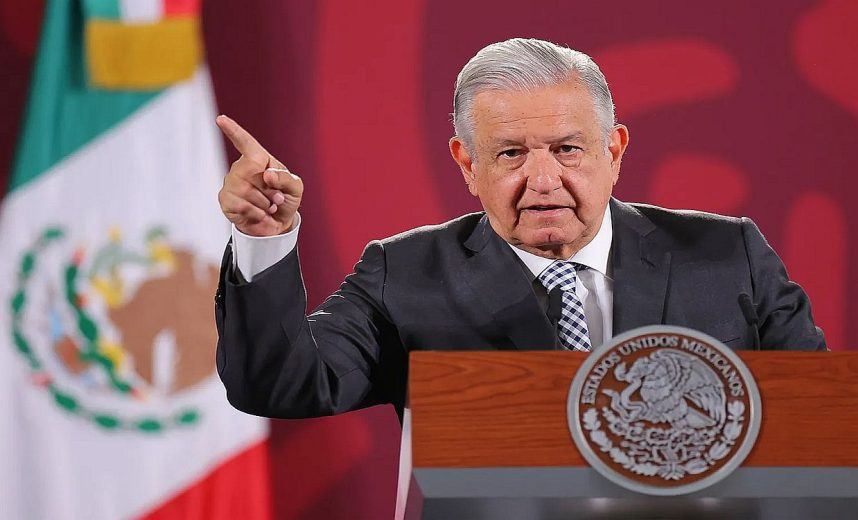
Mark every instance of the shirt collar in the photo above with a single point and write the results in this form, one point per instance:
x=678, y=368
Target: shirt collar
x=594, y=255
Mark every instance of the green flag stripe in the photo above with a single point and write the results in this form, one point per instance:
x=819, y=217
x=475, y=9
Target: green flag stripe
x=107, y=9
x=63, y=113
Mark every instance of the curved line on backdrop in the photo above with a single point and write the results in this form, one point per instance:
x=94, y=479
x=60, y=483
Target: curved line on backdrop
x=373, y=169
x=816, y=251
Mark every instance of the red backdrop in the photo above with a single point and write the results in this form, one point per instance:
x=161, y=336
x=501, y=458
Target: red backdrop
x=745, y=108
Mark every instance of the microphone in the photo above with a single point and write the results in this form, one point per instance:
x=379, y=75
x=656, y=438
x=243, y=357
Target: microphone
x=751, y=317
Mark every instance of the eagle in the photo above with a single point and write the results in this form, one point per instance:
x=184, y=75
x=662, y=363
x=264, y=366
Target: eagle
x=675, y=388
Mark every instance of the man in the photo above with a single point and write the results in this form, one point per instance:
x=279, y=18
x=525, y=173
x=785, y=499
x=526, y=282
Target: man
x=554, y=262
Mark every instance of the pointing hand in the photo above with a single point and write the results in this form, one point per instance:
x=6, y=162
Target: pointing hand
x=259, y=194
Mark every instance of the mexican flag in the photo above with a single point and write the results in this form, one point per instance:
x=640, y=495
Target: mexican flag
x=110, y=242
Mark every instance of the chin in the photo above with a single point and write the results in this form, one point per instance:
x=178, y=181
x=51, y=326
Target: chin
x=547, y=237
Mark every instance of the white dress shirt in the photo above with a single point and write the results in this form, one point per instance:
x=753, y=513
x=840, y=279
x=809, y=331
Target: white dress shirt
x=595, y=289
x=252, y=255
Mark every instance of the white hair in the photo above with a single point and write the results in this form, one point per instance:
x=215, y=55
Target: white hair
x=526, y=64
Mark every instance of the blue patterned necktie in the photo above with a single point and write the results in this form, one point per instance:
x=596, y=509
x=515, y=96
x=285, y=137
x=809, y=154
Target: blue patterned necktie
x=572, y=328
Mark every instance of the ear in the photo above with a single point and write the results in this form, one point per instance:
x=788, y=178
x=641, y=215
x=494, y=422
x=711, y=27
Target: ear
x=619, y=140
x=466, y=164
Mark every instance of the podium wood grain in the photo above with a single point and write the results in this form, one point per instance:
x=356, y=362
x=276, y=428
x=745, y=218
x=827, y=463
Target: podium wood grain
x=493, y=409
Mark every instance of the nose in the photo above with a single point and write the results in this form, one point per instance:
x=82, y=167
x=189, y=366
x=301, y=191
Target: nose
x=543, y=172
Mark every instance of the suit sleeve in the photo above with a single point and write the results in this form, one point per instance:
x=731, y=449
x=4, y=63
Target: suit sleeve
x=277, y=362
x=783, y=308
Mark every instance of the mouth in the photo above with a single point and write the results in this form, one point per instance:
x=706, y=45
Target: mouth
x=545, y=209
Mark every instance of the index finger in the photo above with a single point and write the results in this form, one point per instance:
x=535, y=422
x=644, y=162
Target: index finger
x=242, y=140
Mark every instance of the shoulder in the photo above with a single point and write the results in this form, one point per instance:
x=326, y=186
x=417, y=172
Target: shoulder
x=689, y=225
x=425, y=252
x=700, y=232
x=448, y=233
x=685, y=218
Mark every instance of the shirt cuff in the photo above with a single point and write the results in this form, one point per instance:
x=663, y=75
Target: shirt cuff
x=252, y=255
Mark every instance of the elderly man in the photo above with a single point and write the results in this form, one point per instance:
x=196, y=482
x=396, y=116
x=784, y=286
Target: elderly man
x=554, y=262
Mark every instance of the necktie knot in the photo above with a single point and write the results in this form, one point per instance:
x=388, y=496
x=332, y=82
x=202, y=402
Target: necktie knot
x=562, y=274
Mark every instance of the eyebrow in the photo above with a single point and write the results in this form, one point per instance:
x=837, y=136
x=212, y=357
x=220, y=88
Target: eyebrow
x=513, y=142
x=506, y=142
x=571, y=137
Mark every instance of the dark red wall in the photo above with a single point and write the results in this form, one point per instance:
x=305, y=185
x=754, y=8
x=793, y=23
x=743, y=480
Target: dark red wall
x=738, y=107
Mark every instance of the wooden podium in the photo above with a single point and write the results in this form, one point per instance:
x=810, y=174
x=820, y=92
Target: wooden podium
x=490, y=439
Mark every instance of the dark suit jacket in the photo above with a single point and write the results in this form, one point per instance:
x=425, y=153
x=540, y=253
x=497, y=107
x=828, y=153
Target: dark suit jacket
x=458, y=285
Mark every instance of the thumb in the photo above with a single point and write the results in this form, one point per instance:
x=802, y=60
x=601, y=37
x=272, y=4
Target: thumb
x=283, y=180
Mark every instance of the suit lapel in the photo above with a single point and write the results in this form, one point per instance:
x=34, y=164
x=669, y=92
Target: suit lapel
x=640, y=269
x=500, y=287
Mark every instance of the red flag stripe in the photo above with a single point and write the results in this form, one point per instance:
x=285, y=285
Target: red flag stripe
x=238, y=488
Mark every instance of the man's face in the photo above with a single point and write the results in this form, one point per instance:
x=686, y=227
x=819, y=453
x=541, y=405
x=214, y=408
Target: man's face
x=541, y=166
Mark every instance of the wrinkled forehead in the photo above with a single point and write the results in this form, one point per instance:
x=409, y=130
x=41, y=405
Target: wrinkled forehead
x=544, y=114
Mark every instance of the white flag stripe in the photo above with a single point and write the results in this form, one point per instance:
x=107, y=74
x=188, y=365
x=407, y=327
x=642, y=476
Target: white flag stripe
x=162, y=165
x=141, y=11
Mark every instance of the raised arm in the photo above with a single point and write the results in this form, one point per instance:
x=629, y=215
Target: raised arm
x=274, y=360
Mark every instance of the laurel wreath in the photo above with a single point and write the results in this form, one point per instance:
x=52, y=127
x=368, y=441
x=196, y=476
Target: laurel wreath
x=89, y=330
x=672, y=471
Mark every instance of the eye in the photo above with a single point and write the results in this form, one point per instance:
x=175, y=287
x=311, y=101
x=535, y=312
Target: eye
x=511, y=153
x=568, y=148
